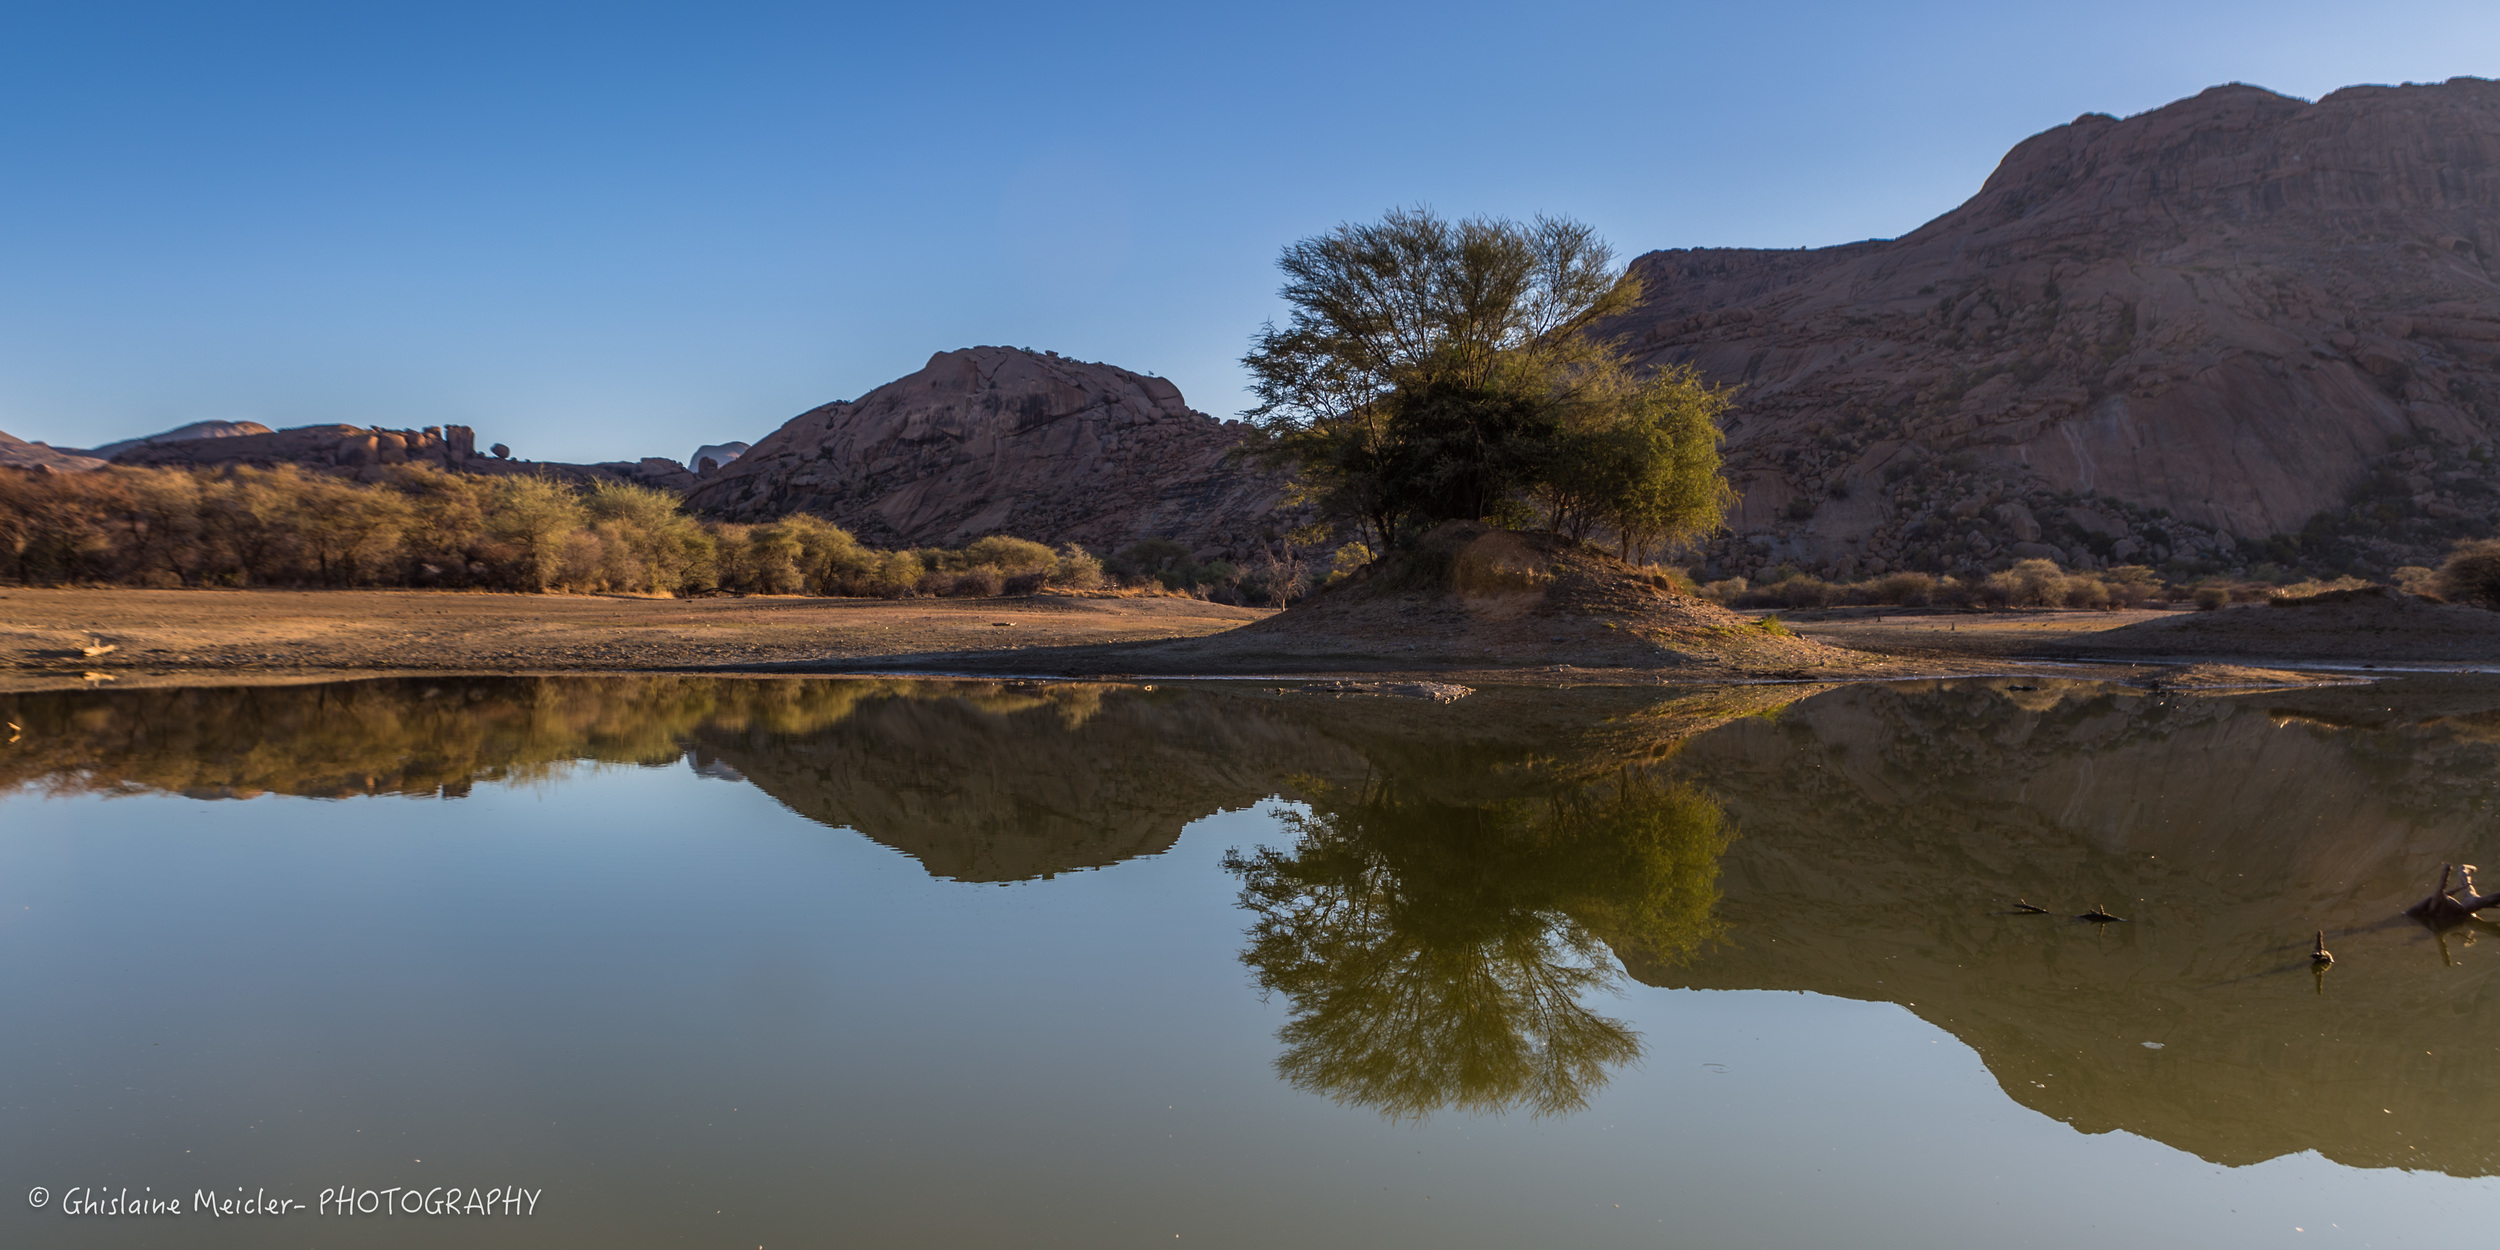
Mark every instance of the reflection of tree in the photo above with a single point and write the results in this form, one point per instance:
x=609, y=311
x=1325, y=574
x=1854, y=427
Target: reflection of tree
x=1438, y=955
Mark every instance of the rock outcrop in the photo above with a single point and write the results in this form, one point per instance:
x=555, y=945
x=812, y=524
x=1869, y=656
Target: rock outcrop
x=996, y=440
x=719, y=454
x=2237, y=329
x=367, y=453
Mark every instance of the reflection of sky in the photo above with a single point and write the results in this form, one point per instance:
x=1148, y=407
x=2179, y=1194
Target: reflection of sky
x=659, y=997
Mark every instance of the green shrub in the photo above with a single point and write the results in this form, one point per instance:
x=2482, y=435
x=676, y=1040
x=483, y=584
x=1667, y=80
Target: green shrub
x=1077, y=569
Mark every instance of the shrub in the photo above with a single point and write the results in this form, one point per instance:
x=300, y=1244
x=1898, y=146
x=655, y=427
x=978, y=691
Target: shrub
x=1077, y=569
x=2413, y=579
x=1024, y=583
x=1347, y=560
x=980, y=582
x=1724, y=592
x=2471, y=574
x=1011, y=555
x=895, y=574
x=1147, y=560
x=2211, y=598
x=1907, y=590
x=2085, y=592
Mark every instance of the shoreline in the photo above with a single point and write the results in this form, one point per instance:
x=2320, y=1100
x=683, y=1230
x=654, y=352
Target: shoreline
x=73, y=638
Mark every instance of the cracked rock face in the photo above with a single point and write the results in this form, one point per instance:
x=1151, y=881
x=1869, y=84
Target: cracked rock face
x=996, y=440
x=2166, y=339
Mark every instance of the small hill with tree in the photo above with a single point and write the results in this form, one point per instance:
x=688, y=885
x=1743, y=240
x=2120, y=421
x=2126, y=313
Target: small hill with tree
x=1441, y=398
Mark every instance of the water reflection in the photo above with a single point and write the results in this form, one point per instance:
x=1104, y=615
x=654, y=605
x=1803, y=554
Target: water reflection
x=1442, y=955
x=1460, y=884
x=2228, y=830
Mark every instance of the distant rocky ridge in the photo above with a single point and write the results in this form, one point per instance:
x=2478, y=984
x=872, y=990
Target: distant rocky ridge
x=184, y=433
x=998, y=440
x=17, y=453
x=366, y=453
x=2237, y=329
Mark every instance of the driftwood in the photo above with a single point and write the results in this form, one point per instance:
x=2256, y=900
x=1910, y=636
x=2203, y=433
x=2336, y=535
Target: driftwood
x=2447, y=906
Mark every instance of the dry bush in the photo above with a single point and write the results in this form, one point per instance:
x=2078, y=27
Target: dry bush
x=2413, y=579
x=422, y=526
x=2471, y=573
x=1903, y=590
x=979, y=582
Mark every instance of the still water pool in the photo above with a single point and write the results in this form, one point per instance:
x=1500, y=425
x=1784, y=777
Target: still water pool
x=798, y=963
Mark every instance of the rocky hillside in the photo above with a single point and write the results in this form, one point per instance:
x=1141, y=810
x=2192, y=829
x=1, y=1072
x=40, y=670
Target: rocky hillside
x=17, y=453
x=996, y=440
x=2238, y=329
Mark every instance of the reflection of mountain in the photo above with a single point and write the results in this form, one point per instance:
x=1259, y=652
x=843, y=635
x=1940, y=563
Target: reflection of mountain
x=979, y=780
x=1887, y=827
x=981, y=783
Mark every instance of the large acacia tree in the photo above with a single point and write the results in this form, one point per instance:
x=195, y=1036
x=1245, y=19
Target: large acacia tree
x=1435, y=370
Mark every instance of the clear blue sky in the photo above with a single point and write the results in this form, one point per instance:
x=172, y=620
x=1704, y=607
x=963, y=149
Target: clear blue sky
x=618, y=229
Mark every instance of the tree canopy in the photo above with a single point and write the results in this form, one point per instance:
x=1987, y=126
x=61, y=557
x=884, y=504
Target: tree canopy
x=1435, y=370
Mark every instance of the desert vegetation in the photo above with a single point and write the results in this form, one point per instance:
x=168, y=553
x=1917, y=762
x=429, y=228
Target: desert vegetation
x=422, y=527
x=1434, y=371
x=2470, y=575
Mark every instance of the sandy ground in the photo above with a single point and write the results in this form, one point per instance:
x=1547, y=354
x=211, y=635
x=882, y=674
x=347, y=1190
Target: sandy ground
x=187, y=635
x=1961, y=635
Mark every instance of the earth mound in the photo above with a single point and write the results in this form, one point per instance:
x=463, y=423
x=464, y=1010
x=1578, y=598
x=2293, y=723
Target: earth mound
x=1470, y=595
x=2376, y=624
x=998, y=440
x=2238, y=328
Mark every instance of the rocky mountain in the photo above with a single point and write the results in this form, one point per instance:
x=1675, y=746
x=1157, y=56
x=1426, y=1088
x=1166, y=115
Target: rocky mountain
x=2242, y=328
x=997, y=440
x=365, y=453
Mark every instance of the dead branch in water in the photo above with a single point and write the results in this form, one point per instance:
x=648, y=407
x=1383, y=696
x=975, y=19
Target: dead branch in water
x=2448, y=907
